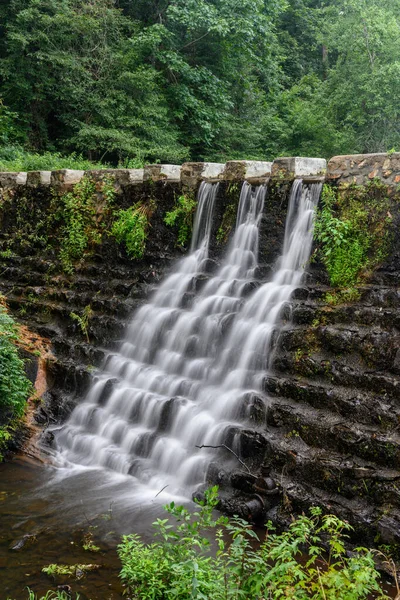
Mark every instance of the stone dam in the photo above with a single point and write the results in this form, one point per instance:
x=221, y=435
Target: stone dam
x=321, y=424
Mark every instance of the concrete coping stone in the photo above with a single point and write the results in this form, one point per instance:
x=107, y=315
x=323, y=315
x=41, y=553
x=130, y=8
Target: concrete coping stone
x=256, y=169
x=66, y=177
x=9, y=180
x=170, y=173
x=212, y=171
x=250, y=170
x=136, y=175
x=38, y=178
x=296, y=167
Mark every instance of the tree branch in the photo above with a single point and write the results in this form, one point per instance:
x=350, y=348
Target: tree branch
x=231, y=451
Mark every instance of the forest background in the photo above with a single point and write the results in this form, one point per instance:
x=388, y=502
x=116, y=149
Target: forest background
x=128, y=82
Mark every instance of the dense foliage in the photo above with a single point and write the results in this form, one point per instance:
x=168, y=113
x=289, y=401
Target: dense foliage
x=14, y=386
x=127, y=82
x=180, y=563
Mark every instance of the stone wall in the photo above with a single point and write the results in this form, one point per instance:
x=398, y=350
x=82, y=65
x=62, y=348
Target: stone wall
x=331, y=435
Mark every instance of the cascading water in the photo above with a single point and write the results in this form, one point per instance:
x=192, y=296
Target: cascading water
x=186, y=373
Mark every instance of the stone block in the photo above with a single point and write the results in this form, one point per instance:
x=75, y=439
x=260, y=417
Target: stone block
x=296, y=167
x=121, y=177
x=170, y=173
x=191, y=174
x=10, y=180
x=38, y=178
x=213, y=171
x=235, y=170
x=66, y=177
x=136, y=176
x=257, y=171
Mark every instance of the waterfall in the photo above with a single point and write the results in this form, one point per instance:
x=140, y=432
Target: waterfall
x=192, y=360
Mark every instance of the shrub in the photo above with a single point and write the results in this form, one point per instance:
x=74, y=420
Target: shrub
x=182, y=217
x=131, y=227
x=15, y=158
x=14, y=386
x=307, y=561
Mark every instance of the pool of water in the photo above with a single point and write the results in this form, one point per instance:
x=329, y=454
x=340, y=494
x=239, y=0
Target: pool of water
x=45, y=516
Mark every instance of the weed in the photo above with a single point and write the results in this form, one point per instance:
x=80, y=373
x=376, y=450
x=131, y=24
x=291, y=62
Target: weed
x=85, y=212
x=352, y=229
x=77, y=571
x=180, y=564
x=15, y=388
x=83, y=320
x=131, y=227
x=342, y=296
x=182, y=216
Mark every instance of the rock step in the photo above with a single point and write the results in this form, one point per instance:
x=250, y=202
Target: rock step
x=376, y=348
x=335, y=472
x=323, y=428
x=351, y=314
x=371, y=523
x=352, y=376
x=368, y=407
x=370, y=294
x=102, y=328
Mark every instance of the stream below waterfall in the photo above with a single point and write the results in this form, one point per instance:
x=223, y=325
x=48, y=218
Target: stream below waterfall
x=188, y=375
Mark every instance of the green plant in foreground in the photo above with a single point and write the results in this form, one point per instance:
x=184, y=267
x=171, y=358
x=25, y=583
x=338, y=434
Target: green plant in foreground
x=182, y=216
x=131, y=227
x=51, y=595
x=352, y=229
x=308, y=561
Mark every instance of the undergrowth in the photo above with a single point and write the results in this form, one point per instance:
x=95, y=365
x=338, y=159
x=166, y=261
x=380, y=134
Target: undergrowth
x=353, y=233
x=15, y=159
x=15, y=388
x=182, y=217
x=308, y=561
x=131, y=227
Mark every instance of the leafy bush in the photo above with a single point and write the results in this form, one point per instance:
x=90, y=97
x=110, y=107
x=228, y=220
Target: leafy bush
x=85, y=217
x=307, y=561
x=182, y=216
x=14, y=386
x=131, y=227
x=15, y=159
x=352, y=230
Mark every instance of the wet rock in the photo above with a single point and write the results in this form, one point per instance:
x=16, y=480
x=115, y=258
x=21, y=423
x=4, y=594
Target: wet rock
x=24, y=542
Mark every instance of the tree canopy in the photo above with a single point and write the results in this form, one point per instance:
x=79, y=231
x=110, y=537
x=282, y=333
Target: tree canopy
x=133, y=81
